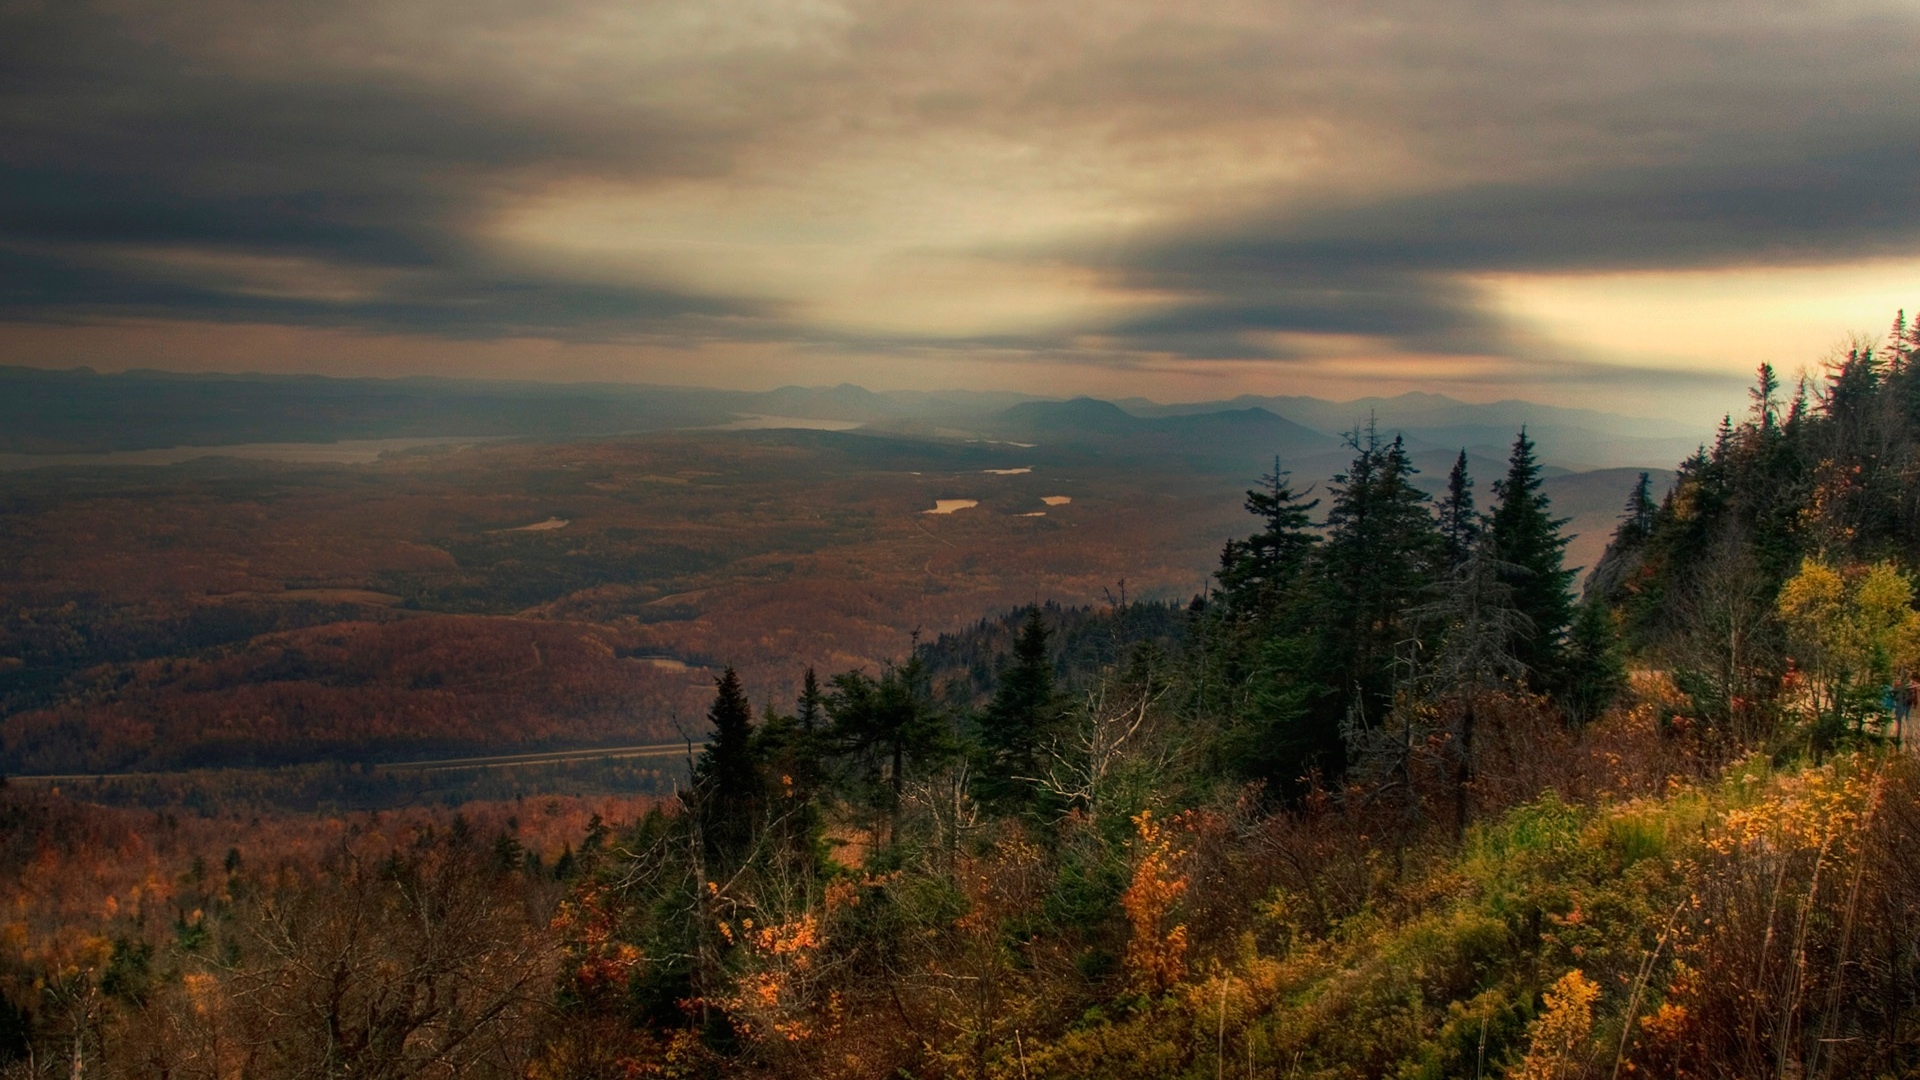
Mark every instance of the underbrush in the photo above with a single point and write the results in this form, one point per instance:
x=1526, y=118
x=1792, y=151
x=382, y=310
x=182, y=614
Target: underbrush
x=1631, y=916
x=1755, y=924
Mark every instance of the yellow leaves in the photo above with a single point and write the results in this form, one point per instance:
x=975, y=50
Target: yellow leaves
x=1156, y=957
x=1851, y=626
x=1815, y=595
x=1852, y=632
x=1667, y=1024
x=70, y=952
x=1883, y=597
x=1804, y=813
x=798, y=938
x=589, y=926
x=1884, y=593
x=1558, y=1040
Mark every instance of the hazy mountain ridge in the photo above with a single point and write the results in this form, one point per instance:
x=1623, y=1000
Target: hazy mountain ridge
x=79, y=410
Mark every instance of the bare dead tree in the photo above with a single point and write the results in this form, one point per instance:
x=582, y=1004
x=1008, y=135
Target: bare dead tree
x=1117, y=724
x=1725, y=618
x=1442, y=689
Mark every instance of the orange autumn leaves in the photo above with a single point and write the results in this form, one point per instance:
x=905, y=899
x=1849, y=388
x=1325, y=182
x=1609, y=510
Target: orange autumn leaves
x=1156, y=953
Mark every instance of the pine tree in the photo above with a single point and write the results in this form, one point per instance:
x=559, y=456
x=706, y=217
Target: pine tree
x=1636, y=522
x=794, y=746
x=726, y=778
x=1765, y=395
x=1016, y=723
x=1525, y=534
x=1254, y=571
x=1596, y=673
x=811, y=713
x=1797, y=408
x=1459, y=522
x=793, y=750
x=882, y=729
x=1379, y=558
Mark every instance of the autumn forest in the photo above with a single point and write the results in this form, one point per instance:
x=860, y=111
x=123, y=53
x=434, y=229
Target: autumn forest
x=1392, y=787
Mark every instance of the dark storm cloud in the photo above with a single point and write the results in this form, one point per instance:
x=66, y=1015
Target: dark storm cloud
x=108, y=144
x=446, y=303
x=1799, y=203
x=1395, y=267
x=340, y=163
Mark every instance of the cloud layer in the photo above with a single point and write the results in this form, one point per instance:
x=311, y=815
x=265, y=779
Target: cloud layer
x=1108, y=182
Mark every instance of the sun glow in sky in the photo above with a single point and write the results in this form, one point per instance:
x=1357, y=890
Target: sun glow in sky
x=1181, y=200
x=1705, y=320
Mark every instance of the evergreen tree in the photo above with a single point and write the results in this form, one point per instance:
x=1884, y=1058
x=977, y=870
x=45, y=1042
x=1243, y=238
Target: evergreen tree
x=1255, y=570
x=1797, y=409
x=1459, y=521
x=1476, y=623
x=793, y=750
x=726, y=778
x=1765, y=395
x=1626, y=552
x=1636, y=521
x=1379, y=558
x=811, y=713
x=1015, y=726
x=1288, y=721
x=1525, y=534
x=880, y=730
x=1640, y=505
x=810, y=724
x=793, y=747
x=1596, y=673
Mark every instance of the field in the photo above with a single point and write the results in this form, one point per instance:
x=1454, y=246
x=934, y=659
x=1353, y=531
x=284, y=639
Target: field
x=532, y=595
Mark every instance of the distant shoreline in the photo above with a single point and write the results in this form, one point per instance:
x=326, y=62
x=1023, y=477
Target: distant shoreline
x=364, y=451
x=345, y=451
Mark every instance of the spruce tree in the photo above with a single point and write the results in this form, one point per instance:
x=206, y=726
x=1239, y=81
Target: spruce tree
x=1254, y=571
x=1627, y=550
x=793, y=751
x=1379, y=559
x=811, y=713
x=1017, y=722
x=1459, y=521
x=1525, y=534
x=1765, y=396
x=880, y=730
x=726, y=779
x=1636, y=522
x=1640, y=505
x=795, y=746
x=1595, y=672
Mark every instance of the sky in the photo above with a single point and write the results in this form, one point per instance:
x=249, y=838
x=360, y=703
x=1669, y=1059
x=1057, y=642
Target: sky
x=1621, y=204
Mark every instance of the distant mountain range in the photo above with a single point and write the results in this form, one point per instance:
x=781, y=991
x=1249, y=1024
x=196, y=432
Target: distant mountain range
x=1591, y=458
x=1230, y=439
x=46, y=411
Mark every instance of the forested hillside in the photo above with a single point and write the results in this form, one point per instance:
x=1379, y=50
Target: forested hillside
x=1386, y=800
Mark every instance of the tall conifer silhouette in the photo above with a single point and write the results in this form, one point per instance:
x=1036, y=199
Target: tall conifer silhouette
x=1525, y=534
